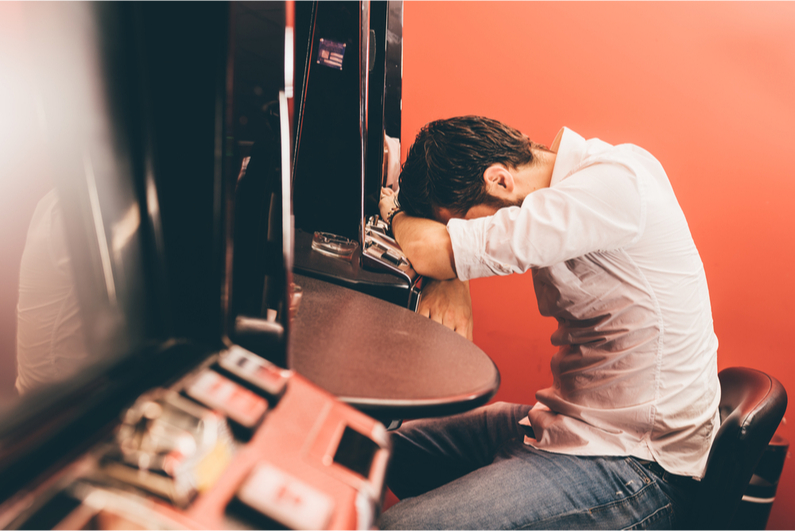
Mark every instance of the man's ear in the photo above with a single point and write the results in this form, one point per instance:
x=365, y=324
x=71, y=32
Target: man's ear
x=498, y=180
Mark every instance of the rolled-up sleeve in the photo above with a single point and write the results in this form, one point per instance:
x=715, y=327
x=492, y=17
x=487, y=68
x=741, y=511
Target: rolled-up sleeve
x=599, y=207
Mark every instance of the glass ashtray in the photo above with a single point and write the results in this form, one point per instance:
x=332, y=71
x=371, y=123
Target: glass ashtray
x=334, y=245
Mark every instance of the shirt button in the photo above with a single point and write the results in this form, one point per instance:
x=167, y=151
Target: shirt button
x=503, y=268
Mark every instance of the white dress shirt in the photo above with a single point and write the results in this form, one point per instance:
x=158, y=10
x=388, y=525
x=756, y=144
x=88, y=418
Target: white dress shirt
x=613, y=261
x=50, y=341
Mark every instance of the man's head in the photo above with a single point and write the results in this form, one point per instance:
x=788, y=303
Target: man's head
x=445, y=167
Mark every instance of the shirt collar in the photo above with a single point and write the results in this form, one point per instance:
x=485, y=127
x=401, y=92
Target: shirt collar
x=570, y=148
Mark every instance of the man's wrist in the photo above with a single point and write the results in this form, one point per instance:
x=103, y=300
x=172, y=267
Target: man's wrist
x=392, y=216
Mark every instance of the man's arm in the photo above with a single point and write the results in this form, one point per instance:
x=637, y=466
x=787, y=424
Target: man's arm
x=428, y=247
x=426, y=244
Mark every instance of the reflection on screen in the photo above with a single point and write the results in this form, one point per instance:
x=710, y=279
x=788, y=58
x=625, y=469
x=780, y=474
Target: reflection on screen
x=50, y=341
x=78, y=270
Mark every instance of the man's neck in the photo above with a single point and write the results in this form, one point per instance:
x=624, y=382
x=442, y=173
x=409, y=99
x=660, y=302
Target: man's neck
x=537, y=175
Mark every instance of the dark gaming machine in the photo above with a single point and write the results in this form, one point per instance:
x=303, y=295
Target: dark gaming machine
x=348, y=147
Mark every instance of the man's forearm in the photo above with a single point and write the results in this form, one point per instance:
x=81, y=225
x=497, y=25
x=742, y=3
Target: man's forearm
x=426, y=244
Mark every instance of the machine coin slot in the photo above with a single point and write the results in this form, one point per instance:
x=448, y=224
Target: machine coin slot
x=392, y=259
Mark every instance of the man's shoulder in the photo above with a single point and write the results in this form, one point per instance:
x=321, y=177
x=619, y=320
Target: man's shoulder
x=625, y=157
x=576, y=154
x=598, y=150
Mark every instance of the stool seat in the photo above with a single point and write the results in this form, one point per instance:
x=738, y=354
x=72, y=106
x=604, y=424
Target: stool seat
x=751, y=407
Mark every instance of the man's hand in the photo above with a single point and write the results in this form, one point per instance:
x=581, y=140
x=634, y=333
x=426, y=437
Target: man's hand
x=448, y=302
x=387, y=204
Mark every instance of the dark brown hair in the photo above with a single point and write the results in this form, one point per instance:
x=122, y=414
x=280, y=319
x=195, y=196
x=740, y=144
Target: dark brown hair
x=446, y=163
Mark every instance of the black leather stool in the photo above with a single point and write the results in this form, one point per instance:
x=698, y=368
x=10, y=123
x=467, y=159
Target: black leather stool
x=751, y=407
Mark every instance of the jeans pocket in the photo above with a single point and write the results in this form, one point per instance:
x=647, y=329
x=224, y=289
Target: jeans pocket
x=665, y=516
x=645, y=475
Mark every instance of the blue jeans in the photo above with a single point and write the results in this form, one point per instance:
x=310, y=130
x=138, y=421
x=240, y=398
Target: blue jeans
x=473, y=471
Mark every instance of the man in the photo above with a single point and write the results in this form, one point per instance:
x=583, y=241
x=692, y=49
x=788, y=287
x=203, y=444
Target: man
x=623, y=434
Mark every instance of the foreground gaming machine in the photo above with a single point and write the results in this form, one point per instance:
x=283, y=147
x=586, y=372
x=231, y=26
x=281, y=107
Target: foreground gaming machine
x=158, y=419
x=190, y=353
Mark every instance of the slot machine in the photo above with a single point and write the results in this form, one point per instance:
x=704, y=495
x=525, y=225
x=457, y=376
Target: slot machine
x=348, y=147
x=162, y=420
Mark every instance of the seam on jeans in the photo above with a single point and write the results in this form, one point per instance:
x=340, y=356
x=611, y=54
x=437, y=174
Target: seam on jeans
x=653, y=516
x=642, y=472
x=592, y=510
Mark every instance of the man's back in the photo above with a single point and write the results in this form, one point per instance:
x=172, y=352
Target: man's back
x=636, y=370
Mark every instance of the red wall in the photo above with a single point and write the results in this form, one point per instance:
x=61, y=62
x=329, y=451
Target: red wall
x=708, y=88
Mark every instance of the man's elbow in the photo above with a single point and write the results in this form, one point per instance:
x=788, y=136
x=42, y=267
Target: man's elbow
x=414, y=253
x=432, y=257
x=434, y=272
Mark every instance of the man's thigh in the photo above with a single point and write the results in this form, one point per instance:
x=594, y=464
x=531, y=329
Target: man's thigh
x=431, y=452
x=525, y=488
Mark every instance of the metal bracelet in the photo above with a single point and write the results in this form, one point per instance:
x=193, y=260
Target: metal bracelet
x=392, y=216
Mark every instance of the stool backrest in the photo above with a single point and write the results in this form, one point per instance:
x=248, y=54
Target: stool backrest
x=751, y=407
